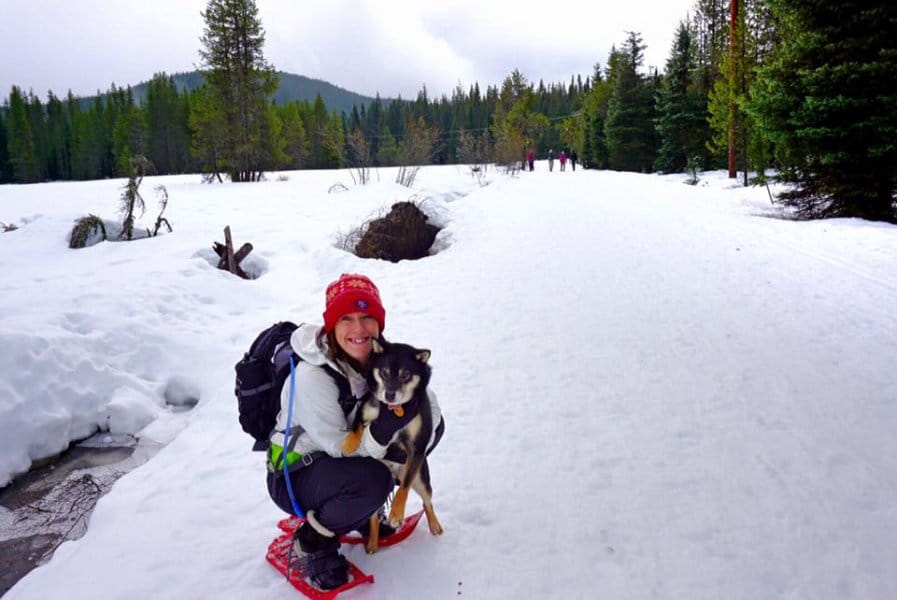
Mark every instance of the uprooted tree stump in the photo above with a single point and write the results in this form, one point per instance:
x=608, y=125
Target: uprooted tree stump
x=227, y=258
x=403, y=234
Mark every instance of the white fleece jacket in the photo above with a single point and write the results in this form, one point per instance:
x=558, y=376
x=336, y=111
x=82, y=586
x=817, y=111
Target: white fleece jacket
x=316, y=407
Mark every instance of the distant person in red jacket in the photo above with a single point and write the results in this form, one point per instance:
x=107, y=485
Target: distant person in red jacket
x=531, y=159
x=563, y=158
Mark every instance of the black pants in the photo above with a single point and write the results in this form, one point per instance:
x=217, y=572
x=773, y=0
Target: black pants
x=343, y=492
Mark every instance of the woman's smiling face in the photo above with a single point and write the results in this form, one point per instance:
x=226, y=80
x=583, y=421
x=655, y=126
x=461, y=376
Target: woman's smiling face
x=354, y=332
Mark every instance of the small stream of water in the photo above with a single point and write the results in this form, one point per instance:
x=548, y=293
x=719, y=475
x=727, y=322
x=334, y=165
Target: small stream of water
x=52, y=503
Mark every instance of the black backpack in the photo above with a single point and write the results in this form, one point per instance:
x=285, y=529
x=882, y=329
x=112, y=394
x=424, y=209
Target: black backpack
x=259, y=381
x=260, y=377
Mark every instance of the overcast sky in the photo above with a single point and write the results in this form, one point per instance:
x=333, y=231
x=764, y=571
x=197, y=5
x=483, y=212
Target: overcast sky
x=388, y=46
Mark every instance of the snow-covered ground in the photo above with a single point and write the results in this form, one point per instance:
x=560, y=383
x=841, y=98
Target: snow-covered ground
x=651, y=390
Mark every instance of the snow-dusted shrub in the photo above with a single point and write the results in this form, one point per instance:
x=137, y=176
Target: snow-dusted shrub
x=87, y=231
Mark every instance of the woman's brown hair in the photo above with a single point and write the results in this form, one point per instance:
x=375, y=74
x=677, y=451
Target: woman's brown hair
x=337, y=353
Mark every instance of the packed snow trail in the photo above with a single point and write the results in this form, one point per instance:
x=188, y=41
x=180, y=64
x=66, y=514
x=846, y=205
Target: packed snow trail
x=649, y=392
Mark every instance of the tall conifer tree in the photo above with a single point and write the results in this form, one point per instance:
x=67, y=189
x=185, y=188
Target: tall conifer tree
x=629, y=127
x=20, y=143
x=5, y=170
x=681, y=117
x=58, y=134
x=828, y=101
x=241, y=82
x=38, y=120
x=166, y=144
x=296, y=140
x=207, y=145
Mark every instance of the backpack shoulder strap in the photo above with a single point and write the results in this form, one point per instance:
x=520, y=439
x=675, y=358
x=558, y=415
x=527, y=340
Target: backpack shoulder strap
x=282, y=372
x=346, y=400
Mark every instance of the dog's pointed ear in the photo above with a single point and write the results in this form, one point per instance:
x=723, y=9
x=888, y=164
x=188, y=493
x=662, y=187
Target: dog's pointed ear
x=423, y=356
x=378, y=345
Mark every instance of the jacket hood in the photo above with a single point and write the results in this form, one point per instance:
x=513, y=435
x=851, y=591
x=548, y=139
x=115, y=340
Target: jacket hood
x=310, y=343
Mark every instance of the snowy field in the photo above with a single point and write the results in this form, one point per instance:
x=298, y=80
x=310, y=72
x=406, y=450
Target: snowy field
x=651, y=390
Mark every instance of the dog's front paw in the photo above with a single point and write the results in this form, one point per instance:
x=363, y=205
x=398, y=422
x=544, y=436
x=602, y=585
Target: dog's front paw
x=396, y=516
x=352, y=442
x=396, y=523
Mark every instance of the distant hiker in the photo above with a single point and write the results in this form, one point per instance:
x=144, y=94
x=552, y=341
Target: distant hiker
x=531, y=159
x=563, y=158
x=550, y=159
x=573, y=158
x=337, y=493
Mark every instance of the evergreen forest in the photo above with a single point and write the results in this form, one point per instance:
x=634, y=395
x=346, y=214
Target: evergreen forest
x=800, y=89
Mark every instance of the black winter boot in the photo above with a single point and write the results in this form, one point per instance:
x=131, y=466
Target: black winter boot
x=317, y=557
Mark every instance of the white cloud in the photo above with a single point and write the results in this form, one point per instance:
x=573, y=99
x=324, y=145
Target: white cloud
x=391, y=47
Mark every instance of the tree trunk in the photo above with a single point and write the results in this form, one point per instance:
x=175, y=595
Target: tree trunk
x=733, y=23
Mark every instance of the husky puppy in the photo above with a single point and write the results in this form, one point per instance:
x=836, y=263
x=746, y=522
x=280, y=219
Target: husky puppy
x=398, y=382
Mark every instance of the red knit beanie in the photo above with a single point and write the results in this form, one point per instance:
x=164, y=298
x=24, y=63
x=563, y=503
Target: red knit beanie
x=352, y=293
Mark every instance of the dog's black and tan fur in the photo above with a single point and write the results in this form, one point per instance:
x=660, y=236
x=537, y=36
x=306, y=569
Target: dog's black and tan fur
x=399, y=375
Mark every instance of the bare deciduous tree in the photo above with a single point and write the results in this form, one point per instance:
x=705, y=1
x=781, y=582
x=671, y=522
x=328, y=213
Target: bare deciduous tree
x=417, y=148
x=474, y=152
x=358, y=157
x=508, y=154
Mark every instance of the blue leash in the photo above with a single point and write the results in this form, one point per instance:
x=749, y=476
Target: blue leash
x=286, y=440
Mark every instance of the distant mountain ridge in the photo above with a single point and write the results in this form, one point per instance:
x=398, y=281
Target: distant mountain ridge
x=292, y=87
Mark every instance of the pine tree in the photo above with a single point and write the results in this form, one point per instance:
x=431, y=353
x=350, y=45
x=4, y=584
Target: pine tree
x=388, y=153
x=88, y=145
x=373, y=121
x=316, y=129
x=166, y=143
x=240, y=81
x=129, y=140
x=273, y=154
x=207, y=145
x=395, y=117
x=5, y=169
x=828, y=102
x=58, y=140
x=587, y=154
x=37, y=119
x=73, y=141
x=711, y=35
x=333, y=142
x=681, y=118
x=106, y=117
x=20, y=141
x=184, y=135
x=629, y=127
x=517, y=124
x=296, y=148
x=594, y=115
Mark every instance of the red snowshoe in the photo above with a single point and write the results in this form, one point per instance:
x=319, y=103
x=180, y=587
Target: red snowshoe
x=279, y=556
